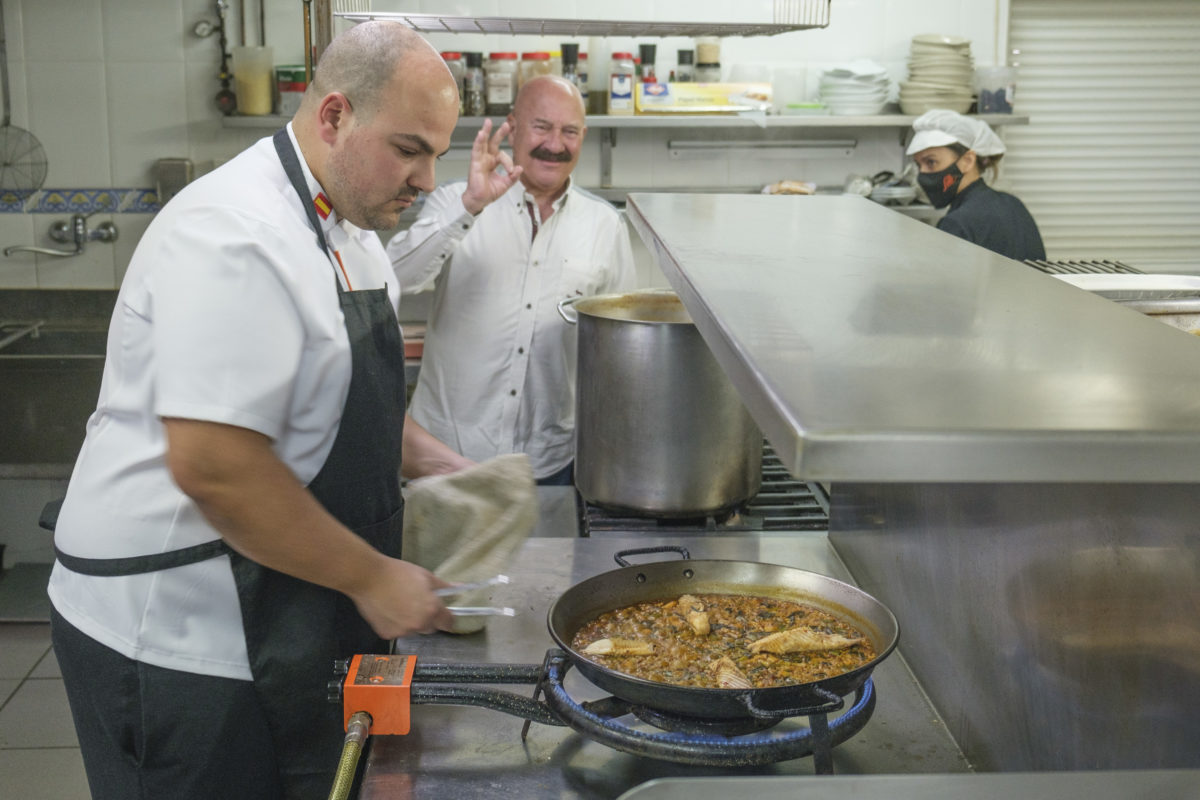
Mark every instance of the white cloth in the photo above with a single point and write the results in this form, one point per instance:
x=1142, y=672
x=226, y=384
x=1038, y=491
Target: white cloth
x=498, y=369
x=228, y=313
x=466, y=526
x=940, y=127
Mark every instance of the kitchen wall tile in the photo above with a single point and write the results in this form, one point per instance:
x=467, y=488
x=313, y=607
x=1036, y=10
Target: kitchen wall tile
x=68, y=109
x=19, y=270
x=139, y=31
x=147, y=110
x=62, y=29
x=130, y=228
x=91, y=269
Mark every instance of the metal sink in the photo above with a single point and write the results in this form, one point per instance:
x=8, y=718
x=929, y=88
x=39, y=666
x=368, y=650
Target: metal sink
x=49, y=382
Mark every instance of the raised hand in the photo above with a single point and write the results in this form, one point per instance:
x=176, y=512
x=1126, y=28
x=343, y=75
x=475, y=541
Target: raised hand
x=485, y=182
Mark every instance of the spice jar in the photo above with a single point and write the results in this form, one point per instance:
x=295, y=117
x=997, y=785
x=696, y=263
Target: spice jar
x=620, y=84
x=500, y=83
x=647, y=52
x=582, y=81
x=458, y=69
x=708, y=73
x=685, y=70
x=474, y=101
x=532, y=65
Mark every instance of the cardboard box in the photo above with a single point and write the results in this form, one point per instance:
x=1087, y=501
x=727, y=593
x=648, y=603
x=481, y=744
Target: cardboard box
x=701, y=98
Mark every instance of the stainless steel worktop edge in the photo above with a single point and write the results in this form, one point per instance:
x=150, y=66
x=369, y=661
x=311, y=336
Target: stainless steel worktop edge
x=1156, y=443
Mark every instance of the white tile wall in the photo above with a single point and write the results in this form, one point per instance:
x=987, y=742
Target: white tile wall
x=109, y=87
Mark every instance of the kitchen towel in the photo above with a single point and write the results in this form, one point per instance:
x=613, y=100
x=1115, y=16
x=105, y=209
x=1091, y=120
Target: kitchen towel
x=466, y=526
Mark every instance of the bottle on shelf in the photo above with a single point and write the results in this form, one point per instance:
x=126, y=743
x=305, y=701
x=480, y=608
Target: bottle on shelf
x=685, y=70
x=458, y=68
x=474, y=100
x=647, y=53
x=620, y=83
x=500, y=83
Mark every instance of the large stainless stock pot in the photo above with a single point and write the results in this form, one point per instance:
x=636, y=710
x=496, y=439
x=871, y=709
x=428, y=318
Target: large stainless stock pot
x=659, y=428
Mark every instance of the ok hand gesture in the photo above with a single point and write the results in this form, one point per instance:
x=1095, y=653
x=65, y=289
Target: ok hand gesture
x=484, y=182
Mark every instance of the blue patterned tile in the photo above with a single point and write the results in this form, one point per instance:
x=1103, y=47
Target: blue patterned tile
x=79, y=201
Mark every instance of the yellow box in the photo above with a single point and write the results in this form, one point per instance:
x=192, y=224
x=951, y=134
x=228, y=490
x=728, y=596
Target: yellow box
x=701, y=98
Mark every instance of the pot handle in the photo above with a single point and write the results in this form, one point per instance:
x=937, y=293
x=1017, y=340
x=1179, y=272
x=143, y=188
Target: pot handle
x=637, y=551
x=834, y=702
x=564, y=306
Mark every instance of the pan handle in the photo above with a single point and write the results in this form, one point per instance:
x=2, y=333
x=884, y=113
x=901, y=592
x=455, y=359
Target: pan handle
x=637, y=551
x=564, y=305
x=834, y=702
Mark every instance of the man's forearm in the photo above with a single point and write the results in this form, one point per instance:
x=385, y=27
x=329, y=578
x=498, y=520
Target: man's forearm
x=424, y=454
x=261, y=509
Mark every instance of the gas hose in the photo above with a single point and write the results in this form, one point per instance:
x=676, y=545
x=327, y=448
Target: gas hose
x=357, y=730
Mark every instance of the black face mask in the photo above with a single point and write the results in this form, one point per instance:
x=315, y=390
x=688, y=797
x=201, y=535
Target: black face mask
x=940, y=187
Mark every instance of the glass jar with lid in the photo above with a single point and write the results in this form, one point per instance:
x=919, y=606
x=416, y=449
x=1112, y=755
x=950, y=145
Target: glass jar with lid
x=458, y=69
x=500, y=82
x=532, y=65
x=621, y=83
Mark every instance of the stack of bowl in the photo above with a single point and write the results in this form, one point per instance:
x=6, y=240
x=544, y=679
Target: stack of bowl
x=861, y=87
x=941, y=74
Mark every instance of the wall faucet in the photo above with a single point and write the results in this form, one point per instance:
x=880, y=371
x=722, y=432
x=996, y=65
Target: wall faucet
x=67, y=232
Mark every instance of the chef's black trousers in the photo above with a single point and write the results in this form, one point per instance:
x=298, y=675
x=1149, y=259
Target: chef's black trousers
x=148, y=732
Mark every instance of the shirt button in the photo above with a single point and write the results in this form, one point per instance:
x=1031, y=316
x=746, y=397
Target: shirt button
x=529, y=305
x=535, y=263
x=513, y=392
x=466, y=226
x=520, y=349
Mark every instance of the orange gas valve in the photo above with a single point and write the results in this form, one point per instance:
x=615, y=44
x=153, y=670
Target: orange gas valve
x=379, y=685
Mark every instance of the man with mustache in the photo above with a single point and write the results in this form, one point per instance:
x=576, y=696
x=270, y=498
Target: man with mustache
x=501, y=250
x=233, y=522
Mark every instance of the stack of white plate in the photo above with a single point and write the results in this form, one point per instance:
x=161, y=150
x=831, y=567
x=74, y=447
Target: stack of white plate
x=941, y=74
x=861, y=87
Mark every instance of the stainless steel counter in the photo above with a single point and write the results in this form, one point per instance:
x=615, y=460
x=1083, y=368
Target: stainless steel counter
x=872, y=347
x=460, y=752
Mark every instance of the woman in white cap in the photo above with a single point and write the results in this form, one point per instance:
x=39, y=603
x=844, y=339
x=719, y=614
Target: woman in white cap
x=952, y=152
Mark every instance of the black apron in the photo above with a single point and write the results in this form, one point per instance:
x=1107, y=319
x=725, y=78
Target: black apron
x=295, y=630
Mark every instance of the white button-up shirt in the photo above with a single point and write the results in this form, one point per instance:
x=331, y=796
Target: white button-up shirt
x=498, y=370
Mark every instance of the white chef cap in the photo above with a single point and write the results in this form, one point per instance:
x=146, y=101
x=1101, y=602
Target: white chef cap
x=939, y=127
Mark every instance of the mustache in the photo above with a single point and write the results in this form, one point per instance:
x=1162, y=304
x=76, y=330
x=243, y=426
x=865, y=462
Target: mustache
x=408, y=194
x=543, y=154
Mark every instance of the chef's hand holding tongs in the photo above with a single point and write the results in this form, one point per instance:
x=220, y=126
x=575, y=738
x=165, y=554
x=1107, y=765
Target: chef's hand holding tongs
x=476, y=611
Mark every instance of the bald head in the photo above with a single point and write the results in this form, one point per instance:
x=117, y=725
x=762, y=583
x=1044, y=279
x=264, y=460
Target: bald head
x=558, y=91
x=362, y=62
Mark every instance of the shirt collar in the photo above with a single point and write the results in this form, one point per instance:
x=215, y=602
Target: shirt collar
x=321, y=204
x=520, y=197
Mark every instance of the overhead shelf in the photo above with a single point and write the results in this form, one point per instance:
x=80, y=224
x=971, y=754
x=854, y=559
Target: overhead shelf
x=754, y=120
x=800, y=16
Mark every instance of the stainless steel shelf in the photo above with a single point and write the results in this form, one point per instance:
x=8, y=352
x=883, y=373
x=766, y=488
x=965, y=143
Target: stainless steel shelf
x=693, y=121
x=807, y=15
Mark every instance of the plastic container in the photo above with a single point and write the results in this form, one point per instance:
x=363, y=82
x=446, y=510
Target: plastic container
x=620, y=83
x=533, y=65
x=500, y=83
x=997, y=88
x=474, y=100
x=584, y=78
x=458, y=69
x=253, y=79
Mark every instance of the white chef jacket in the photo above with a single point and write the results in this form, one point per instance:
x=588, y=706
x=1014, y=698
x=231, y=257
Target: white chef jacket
x=498, y=369
x=228, y=313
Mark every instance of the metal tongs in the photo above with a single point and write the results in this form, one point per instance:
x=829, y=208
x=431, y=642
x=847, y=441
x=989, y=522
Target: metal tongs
x=476, y=611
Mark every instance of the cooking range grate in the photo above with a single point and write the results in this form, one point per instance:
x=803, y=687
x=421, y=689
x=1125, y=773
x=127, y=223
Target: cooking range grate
x=783, y=503
x=682, y=740
x=1079, y=267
